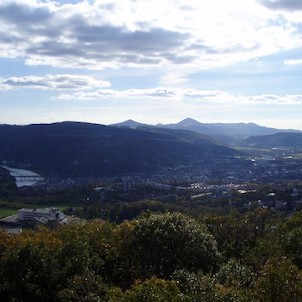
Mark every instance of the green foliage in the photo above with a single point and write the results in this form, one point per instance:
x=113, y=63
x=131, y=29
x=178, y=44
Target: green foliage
x=234, y=274
x=279, y=280
x=163, y=243
x=292, y=244
x=8, y=186
x=198, y=287
x=28, y=273
x=157, y=257
x=152, y=290
x=89, y=245
x=85, y=288
x=236, y=233
x=40, y=264
x=266, y=247
x=291, y=238
x=120, y=211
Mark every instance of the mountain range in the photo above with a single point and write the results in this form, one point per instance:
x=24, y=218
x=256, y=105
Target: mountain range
x=226, y=133
x=83, y=149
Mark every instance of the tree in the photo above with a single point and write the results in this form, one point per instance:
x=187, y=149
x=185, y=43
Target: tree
x=163, y=243
x=35, y=266
x=85, y=288
x=279, y=280
x=291, y=238
x=152, y=290
x=266, y=248
x=234, y=274
x=236, y=233
x=198, y=287
x=28, y=274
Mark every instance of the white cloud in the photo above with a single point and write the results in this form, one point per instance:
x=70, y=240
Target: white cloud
x=113, y=34
x=155, y=93
x=53, y=82
x=293, y=62
x=275, y=99
x=175, y=78
x=212, y=96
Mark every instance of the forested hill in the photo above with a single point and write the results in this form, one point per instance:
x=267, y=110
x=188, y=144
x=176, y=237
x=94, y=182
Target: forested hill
x=82, y=149
x=279, y=140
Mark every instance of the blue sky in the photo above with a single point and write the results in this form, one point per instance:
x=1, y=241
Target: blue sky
x=154, y=61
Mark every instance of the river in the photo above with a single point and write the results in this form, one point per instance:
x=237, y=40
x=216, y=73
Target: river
x=24, y=177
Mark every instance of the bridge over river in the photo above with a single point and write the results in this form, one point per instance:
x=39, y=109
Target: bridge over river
x=24, y=177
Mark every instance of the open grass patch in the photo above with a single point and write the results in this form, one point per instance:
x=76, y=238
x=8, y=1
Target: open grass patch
x=7, y=212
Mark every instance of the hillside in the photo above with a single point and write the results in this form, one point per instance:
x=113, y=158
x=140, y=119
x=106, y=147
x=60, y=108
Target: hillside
x=278, y=140
x=81, y=149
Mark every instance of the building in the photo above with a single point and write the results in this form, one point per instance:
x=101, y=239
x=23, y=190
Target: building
x=34, y=218
x=30, y=215
x=49, y=217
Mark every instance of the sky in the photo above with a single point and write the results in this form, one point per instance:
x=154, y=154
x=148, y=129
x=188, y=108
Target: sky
x=153, y=61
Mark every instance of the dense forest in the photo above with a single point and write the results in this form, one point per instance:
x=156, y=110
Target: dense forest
x=255, y=256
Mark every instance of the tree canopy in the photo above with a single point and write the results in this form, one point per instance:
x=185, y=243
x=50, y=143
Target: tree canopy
x=156, y=257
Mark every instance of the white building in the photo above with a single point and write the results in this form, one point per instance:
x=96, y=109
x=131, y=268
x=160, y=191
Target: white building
x=28, y=215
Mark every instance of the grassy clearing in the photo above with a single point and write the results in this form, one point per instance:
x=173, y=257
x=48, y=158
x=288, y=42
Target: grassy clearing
x=9, y=208
x=6, y=212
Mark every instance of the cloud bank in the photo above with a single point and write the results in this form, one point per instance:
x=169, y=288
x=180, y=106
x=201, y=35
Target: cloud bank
x=214, y=96
x=53, y=82
x=116, y=34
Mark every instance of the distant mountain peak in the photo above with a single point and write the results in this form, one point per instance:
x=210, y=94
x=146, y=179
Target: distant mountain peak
x=129, y=123
x=188, y=121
